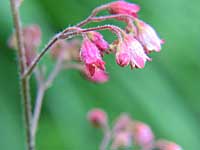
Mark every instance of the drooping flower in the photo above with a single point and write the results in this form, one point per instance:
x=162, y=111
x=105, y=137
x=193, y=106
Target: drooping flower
x=91, y=56
x=98, y=40
x=97, y=117
x=100, y=76
x=138, y=56
x=132, y=52
x=167, y=145
x=148, y=37
x=142, y=134
x=122, y=7
x=123, y=56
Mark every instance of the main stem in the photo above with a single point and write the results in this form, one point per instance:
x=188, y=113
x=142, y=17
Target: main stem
x=24, y=82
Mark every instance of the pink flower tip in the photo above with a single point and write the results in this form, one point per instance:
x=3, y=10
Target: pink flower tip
x=97, y=117
x=91, y=56
x=122, y=7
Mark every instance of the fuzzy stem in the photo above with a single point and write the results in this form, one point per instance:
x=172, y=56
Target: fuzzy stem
x=94, y=13
x=24, y=83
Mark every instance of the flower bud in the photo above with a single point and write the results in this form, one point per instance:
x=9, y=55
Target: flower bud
x=98, y=40
x=91, y=56
x=122, y=7
x=166, y=145
x=100, y=76
x=142, y=134
x=148, y=37
x=97, y=118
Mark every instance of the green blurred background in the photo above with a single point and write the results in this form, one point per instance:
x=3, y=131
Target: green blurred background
x=166, y=94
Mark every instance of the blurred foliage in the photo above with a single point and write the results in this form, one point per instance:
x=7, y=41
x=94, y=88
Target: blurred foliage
x=165, y=94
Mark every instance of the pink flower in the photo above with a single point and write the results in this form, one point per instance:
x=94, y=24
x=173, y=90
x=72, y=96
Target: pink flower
x=167, y=145
x=130, y=51
x=100, y=76
x=148, y=37
x=143, y=134
x=137, y=54
x=97, y=117
x=123, y=55
x=91, y=56
x=122, y=7
x=98, y=40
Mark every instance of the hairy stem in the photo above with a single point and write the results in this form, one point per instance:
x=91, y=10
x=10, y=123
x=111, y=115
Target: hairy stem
x=94, y=13
x=24, y=83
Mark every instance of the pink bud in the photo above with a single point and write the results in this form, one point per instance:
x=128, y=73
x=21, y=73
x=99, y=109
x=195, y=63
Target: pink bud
x=91, y=56
x=148, y=37
x=97, y=117
x=167, y=145
x=143, y=134
x=137, y=54
x=122, y=7
x=98, y=40
x=122, y=139
x=100, y=76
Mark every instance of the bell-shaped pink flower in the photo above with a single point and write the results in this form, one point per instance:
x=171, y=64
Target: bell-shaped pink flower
x=148, y=37
x=137, y=53
x=100, y=76
x=98, y=40
x=91, y=56
x=122, y=7
x=123, y=55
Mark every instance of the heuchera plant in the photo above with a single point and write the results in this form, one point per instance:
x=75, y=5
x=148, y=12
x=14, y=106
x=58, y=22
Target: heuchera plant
x=131, y=47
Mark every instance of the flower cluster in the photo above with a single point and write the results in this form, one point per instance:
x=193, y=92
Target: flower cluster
x=137, y=41
x=127, y=132
x=132, y=47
